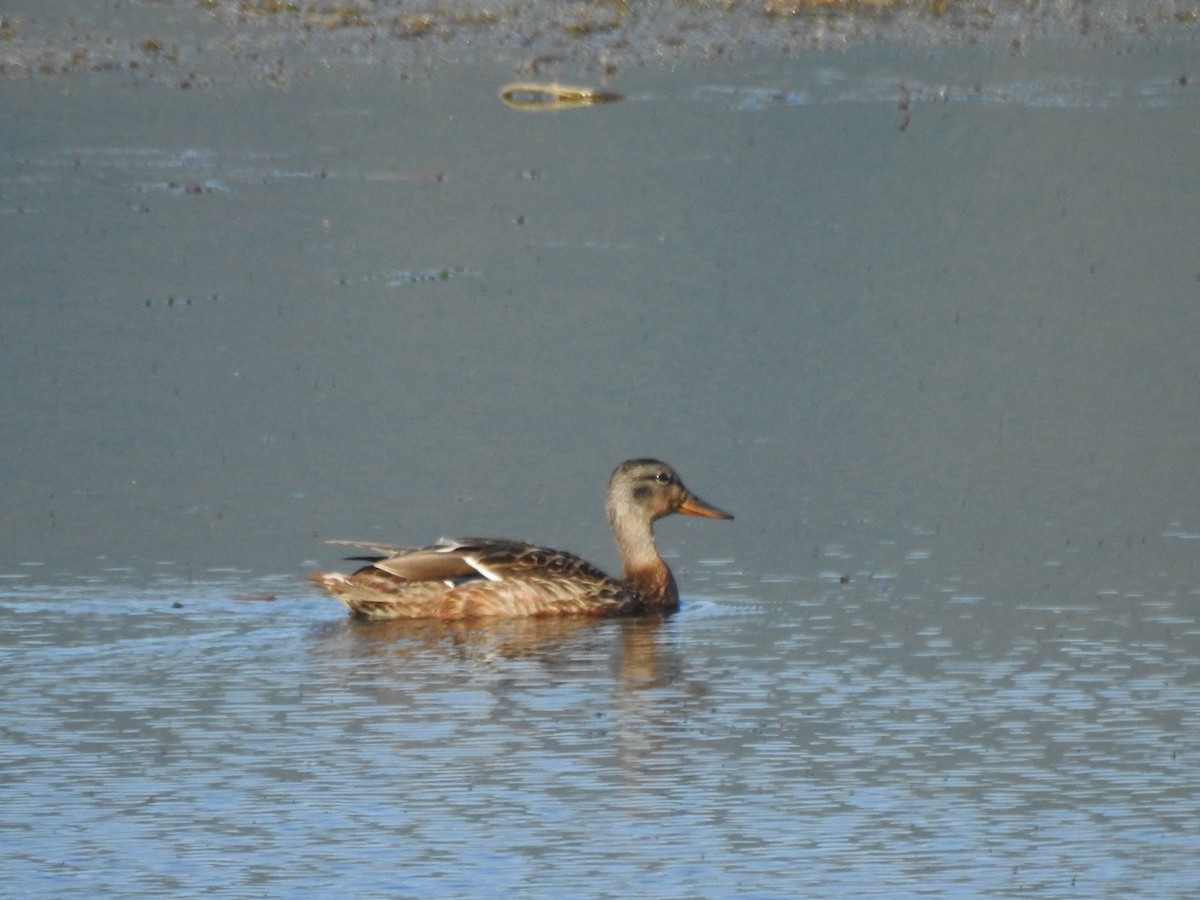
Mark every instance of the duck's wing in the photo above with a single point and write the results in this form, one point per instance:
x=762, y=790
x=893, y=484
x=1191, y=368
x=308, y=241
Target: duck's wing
x=437, y=562
x=459, y=559
x=382, y=551
x=500, y=560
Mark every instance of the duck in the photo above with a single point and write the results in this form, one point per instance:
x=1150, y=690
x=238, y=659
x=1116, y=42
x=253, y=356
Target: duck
x=478, y=578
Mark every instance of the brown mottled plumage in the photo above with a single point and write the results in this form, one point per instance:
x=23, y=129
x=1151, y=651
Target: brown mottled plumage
x=477, y=577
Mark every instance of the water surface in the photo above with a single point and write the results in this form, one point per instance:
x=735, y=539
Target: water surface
x=923, y=321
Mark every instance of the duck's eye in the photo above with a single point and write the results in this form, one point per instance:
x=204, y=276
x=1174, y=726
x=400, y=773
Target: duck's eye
x=662, y=478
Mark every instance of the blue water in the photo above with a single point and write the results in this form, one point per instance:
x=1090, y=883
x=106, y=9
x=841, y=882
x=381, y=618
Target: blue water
x=827, y=739
x=936, y=354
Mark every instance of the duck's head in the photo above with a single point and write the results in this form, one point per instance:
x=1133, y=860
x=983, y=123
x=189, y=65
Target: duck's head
x=648, y=489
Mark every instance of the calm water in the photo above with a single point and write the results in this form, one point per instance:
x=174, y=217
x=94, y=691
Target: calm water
x=924, y=322
x=827, y=739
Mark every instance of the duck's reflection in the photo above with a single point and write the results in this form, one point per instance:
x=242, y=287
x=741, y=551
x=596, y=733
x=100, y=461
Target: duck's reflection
x=558, y=642
x=611, y=689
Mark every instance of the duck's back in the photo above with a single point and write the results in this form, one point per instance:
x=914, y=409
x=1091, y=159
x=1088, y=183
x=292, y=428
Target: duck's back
x=478, y=577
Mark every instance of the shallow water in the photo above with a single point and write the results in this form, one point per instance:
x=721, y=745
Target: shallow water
x=924, y=322
x=846, y=738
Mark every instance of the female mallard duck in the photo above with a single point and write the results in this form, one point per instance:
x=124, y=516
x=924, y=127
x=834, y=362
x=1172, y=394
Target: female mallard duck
x=476, y=577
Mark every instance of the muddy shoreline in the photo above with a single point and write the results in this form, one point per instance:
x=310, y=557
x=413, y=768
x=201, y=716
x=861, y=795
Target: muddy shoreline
x=189, y=44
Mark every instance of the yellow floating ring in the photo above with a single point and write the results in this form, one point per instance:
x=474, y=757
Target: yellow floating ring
x=533, y=97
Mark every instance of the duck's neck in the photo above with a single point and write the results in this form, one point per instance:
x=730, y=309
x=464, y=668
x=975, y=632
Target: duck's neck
x=643, y=568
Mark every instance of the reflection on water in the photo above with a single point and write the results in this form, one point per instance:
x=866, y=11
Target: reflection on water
x=559, y=645
x=817, y=738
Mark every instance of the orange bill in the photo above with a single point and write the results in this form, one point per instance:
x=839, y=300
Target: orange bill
x=694, y=506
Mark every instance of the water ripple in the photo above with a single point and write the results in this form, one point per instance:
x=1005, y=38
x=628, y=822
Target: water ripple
x=166, y=741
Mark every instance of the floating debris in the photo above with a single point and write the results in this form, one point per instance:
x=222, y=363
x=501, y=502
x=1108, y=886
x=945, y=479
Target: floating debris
x=398, y=279
x=533, y=97
x=405, y=277
x=173, y=300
